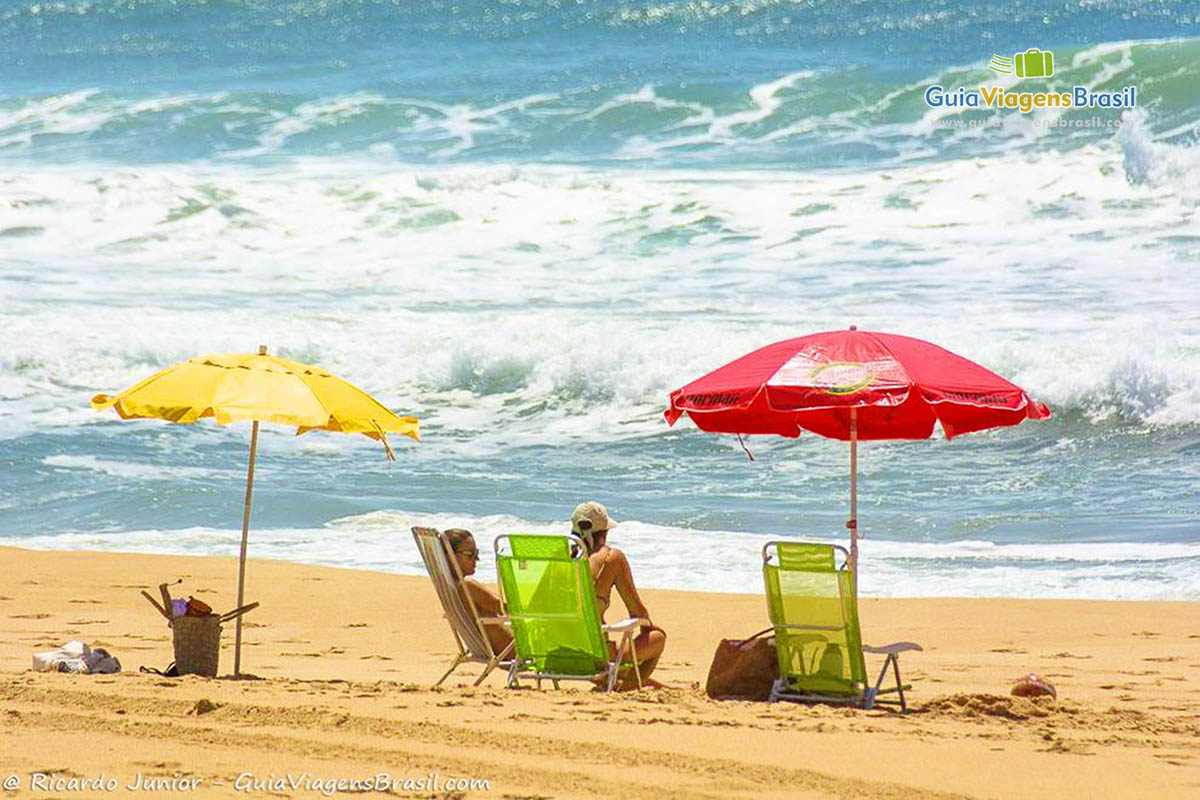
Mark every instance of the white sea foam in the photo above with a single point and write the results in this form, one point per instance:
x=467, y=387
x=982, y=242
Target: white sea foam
x=134, y=470
x=1071, y=280
x=722, y=561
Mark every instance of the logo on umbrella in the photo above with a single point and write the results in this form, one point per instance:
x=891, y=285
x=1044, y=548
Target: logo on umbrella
x=841, y=377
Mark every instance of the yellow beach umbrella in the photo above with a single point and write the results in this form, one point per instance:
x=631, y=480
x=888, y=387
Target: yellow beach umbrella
x=260, y=388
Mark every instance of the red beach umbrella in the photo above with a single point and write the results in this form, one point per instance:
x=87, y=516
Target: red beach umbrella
x=853, y=385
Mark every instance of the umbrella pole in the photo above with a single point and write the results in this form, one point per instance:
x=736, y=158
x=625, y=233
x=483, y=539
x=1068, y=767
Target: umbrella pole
x=237, y=647
x=852, y=524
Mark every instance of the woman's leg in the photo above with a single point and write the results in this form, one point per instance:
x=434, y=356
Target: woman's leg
x=649, y=644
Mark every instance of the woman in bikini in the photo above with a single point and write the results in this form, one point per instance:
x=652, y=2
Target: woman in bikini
x=610, y=568
x=486, y=602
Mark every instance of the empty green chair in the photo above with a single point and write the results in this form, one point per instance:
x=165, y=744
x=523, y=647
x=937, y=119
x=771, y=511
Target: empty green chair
x=550, y=602
x=812, y=604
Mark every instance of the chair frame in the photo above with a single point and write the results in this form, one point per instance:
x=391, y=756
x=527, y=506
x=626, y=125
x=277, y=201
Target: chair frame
x=490, y=658
x=869, y=696
x=626, y=628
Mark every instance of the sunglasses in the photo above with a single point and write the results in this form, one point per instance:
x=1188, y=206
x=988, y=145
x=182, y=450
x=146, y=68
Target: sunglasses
x=472, y=553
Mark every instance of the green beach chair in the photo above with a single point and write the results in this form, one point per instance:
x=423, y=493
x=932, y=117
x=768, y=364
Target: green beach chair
x=814, y=610
x=550, y=602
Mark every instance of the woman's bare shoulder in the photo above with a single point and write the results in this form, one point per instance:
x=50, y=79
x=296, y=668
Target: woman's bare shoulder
x=617, y=556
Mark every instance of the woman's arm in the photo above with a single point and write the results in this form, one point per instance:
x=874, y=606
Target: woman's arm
x=624, y=582
x=486, y=603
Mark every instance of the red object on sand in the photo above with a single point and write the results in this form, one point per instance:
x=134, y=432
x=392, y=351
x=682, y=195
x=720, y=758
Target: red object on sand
x=897, y=386
x=853, y=385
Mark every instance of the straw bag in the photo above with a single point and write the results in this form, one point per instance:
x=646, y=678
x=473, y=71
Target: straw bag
x=197, y=644
x=743, y=669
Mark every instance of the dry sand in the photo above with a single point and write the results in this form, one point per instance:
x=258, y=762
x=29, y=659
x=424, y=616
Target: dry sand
x=344, y=661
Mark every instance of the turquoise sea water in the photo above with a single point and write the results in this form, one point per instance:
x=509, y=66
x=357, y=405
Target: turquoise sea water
x=526, y=222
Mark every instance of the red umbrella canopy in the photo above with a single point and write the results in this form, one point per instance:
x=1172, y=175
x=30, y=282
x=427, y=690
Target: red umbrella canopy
x=898, y=386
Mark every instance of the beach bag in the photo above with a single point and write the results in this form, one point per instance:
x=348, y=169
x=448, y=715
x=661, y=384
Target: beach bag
x=198, y=608
x=743, y=669
x=197, y=645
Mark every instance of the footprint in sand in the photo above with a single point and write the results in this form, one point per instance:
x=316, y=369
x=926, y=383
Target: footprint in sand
x=1162, y=659
x=32, y=616
x=1015, y=650
x=1065, y=655
x=1174, y=759
x=358, y=625
x=1067, y=748
x=87, y=622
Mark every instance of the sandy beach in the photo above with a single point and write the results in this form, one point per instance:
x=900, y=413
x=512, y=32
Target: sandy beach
x=343, y=662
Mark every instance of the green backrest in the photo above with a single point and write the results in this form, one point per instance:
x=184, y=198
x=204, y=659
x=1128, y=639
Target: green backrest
x=551, y=599
x=815, y=614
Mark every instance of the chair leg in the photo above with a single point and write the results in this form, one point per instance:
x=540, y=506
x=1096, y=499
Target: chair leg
x=873, y=693
x=899, y=684
x=458, y=659
x=495, y=662
x=637, y=670
x=513, y=681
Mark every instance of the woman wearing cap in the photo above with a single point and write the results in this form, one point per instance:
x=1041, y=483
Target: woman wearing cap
x=610, y=568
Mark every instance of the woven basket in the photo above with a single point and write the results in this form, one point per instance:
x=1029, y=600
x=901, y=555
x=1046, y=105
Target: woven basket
x=197, y=645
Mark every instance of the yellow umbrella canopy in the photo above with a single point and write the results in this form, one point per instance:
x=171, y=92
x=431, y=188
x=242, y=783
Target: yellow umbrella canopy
x=261, y=388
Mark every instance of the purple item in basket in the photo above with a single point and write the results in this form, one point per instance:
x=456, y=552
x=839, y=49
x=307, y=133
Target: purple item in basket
x=178, y=608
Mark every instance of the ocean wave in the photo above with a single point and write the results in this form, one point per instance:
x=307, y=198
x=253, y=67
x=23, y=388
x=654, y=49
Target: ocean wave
x=807, y=117
x=470, y=275
x=131, y=469
x=1155, y=163
x=665, y=557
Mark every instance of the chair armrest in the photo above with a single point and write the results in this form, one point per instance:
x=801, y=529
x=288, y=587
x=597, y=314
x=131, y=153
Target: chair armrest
x=895, y=647
x=625, y=625
x=500, y=621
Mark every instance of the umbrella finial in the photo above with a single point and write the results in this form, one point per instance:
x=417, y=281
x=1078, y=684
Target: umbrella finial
x=262, y=349
x=853, y=327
